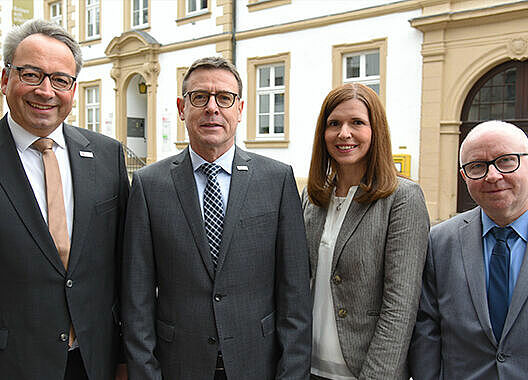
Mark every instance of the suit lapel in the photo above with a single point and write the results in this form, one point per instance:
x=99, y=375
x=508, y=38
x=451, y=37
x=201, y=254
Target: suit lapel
x=183, y=179
x=519, y=296
x=470, y=238
x=14, y=181
x=237, y=193
x=315, y=218
x=83, y=181
x=355, y=213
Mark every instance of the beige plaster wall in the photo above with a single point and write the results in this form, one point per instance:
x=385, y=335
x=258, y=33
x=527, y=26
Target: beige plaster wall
x=458, y=48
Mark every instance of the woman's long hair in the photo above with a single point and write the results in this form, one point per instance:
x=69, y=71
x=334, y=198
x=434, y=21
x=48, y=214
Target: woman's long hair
x=380, y=178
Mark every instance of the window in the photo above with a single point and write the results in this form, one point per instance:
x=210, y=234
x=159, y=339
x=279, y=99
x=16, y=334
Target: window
x=92, y=108
x=268, y=101
x=195, y=6
x=90, y=101
x=190, y=11
x=92, y=19
x=140, y=13
x=363, y=68
x=362, y=62
x=56, y=12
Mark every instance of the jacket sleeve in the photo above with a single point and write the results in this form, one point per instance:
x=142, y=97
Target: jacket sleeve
x=405, y=251
x=425, y=351
x=139, y=289
x=293, y=302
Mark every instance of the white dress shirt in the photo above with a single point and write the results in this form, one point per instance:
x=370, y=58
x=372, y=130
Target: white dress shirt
x=34, y=168
x=327, y=357
x=225, y=161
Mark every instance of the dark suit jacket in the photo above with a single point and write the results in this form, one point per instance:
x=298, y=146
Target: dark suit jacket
x=453, y=338
x=256, y=309
x=36, y=305
x=377, y=268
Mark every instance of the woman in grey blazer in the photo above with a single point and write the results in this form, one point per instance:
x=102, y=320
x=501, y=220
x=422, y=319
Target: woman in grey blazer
x=367, y=232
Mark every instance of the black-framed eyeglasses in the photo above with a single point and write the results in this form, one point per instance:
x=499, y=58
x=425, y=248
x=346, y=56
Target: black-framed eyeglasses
x=223, y=99
x=507, y=163
x=35, y=76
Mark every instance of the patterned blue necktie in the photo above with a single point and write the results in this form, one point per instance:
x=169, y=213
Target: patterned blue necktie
x=213, y=210
x=499, y=271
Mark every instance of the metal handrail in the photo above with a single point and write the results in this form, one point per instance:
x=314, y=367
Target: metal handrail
x=133, y=162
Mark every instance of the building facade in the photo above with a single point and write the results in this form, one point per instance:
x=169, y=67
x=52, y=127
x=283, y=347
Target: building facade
x=439, y=66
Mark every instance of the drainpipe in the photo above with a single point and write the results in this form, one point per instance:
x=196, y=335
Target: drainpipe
x=233, y=32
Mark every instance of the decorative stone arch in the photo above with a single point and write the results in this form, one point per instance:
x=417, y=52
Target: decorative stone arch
x=135, y=52
x=461, y=42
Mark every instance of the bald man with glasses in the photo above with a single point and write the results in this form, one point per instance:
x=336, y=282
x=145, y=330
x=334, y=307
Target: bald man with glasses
x=473, y=319
x=215, y=272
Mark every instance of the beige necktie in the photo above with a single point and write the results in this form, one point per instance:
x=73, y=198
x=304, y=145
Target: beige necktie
x=55, y=198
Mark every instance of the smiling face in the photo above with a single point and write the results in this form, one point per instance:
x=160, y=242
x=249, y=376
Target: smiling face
x=348, y=135
x=39, y=109
x=211, y=128
x=503, y=197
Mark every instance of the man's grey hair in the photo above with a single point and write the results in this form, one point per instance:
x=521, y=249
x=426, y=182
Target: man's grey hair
x=47, y=28
x=492, y=125
x=211, y=63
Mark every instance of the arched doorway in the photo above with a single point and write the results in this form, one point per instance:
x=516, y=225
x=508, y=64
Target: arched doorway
x=134, y=55
x=137, y=116
x=500, y=94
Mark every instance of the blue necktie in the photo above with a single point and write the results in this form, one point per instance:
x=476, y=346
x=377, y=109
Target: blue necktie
x=499, y=270
x=213, y=210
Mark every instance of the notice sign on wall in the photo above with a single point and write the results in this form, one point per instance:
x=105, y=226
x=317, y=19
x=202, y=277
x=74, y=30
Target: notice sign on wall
x=22, y=11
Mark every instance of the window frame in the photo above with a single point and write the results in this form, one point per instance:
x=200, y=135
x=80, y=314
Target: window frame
x=271, y=91
x=47, y=10
x=185, y=17
x=83, y=98
x=128, y=13
x=83, y=23
x=339, y=52
x=254, y=140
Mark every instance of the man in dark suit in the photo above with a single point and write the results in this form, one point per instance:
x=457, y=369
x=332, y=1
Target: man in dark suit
x=58, y=291
x=473, y=317
x=216, y=281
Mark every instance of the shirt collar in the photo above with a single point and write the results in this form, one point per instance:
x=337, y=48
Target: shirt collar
x=23, y=139
x=225, y=161
x=519, y=225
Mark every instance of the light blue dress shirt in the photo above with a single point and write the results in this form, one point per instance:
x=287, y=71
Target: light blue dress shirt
x=225, y=161
x=516, y=243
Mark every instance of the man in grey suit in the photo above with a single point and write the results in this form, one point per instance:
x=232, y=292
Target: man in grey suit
x=59, y=250
x=473, y=319
x=215, y=270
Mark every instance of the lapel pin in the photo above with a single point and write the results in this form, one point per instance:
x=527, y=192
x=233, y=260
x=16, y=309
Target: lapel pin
x=84, y=153
x=242, y=167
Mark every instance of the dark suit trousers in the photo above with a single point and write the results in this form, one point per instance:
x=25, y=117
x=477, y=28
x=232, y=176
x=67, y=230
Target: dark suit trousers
x=75, y=367
x=220, y=371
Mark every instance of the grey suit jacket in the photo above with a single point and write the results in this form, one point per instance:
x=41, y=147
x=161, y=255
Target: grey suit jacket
x=453, y=338
x=178, y=313
x=37, y=303
x=376, y=277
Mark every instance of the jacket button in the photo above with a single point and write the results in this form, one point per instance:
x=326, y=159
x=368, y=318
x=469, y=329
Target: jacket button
x=342, y=313
x=218, y=297
x=63, y=337
x=337, y=279
x=69, y=283
x=501, y=357
x=211, y=340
